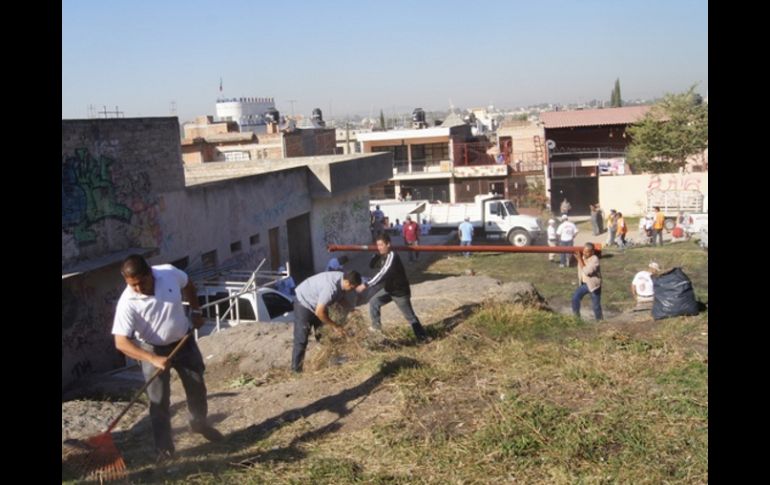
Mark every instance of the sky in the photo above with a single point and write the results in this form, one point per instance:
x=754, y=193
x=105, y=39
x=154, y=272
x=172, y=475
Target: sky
x=358, y=57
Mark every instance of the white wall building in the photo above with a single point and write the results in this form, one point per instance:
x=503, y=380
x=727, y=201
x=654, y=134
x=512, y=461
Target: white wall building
x=249, y=113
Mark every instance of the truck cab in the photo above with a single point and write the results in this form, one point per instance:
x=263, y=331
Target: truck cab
x=501, y=217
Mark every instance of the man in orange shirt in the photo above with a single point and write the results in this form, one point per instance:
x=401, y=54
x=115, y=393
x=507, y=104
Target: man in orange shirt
x=657, y=226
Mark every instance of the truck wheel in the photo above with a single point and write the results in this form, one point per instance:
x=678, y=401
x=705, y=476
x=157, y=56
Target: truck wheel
x=519, y=238
x=669, y=224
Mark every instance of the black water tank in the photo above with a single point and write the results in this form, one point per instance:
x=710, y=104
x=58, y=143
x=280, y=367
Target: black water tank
x=317, y=114
x=418, y=115
x=272, y=115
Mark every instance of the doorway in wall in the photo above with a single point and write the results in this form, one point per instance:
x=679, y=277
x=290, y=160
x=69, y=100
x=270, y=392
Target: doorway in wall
x=300, y=247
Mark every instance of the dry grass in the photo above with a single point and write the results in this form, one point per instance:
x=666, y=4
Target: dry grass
x=507, y=393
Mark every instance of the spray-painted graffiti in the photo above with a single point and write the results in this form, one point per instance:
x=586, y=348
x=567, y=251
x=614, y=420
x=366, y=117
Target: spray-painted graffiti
x=88, y=194
x=87, y=314
x=346, y=224
x=277, y=210
x=673, y=182
x=81, y=368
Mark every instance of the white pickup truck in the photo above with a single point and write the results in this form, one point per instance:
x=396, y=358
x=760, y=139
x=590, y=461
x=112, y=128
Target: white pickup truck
x=237, y=296
x=259, y=305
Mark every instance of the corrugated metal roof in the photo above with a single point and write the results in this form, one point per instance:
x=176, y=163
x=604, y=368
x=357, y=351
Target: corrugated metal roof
x=593, y=117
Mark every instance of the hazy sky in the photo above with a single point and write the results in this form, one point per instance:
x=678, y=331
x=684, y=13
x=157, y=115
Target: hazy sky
x=362, y=56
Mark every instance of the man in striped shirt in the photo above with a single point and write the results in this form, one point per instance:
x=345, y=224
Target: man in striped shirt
x=395, y=287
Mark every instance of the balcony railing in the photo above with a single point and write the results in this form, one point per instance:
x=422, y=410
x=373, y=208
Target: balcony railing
x=420, y=166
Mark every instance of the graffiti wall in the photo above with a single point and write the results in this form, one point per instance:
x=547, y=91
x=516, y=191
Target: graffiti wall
x=339, y=220
x=114, y=173
x=88, y=308
x=629, y=193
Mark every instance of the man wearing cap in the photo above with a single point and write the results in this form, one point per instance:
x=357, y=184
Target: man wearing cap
x=642, y=288
x=411, y=233
x=566, y=231
x=552, y=240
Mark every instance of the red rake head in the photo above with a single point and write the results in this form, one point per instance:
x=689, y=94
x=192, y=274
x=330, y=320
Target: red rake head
x=104, y=462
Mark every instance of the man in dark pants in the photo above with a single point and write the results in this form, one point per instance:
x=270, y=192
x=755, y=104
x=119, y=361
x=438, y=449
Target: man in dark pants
x=311, y=308
x=151, y=309
x=395, y=287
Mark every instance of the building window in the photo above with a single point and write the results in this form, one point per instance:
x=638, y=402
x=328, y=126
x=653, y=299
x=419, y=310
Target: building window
x=235, y=247
x=254, y=239
x=431, y=153
x=209, y=259
x=399, y=152
x=181, y=263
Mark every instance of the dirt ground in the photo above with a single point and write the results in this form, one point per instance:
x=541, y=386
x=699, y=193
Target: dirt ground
x=252, y=392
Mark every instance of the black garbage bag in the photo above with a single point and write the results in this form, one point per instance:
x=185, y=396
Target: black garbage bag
x=674, y=295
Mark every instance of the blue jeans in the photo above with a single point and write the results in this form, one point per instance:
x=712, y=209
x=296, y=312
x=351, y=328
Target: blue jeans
x=596, y=300
x=564, y=259
x=404, y=303
x=465, y=243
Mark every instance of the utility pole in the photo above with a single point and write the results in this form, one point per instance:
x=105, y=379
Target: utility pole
x=292, y=101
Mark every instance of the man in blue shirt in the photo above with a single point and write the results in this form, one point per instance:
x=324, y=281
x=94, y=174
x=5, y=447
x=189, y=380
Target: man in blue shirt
x=465, y=230
x=311, y=307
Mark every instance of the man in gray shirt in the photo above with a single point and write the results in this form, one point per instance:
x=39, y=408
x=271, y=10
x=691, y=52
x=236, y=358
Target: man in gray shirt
x=311, y=307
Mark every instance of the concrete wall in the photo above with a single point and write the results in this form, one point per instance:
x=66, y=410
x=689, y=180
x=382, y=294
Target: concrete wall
x=628, y=193
x=342, y=219
x=114, y=173
x=210, y=217
x=88, y=306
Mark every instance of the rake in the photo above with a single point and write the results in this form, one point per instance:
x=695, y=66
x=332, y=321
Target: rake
x=102, y=460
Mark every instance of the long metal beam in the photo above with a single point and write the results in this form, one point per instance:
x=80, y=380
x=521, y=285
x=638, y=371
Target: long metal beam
x=461, y=249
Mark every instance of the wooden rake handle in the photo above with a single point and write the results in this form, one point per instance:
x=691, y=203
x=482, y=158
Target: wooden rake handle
x=158, y=372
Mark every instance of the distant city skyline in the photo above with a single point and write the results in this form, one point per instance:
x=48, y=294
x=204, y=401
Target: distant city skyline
x=148, y=58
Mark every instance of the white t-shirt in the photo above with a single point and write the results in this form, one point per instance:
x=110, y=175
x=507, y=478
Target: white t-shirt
x=157, y=319
x=551, y=233
x=643, y=284
x=567, y=231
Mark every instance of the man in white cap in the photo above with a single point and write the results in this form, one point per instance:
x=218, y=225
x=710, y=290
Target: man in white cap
x=566, y=231
x=552, y=240
x=642, y=288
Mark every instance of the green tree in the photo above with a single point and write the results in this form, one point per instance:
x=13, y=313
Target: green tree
x=382, y=120
x=615, y=100
x=674, y=129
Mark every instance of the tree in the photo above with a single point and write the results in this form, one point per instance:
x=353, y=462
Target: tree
x=382, y=120
x=615, y=100
x=674, y=129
